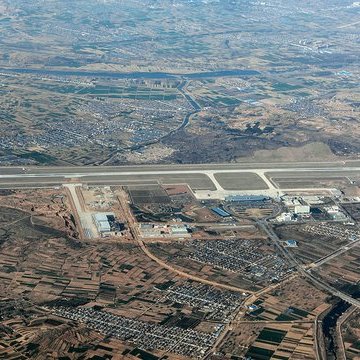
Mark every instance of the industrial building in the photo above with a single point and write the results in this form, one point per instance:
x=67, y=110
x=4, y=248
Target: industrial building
x=102, y=223
x=291, y=243
x=291, y=201
x=302, y=210
x=285, y=217
x=179, y=231
x=149, y=230
x=336, y=213
x=220, y=212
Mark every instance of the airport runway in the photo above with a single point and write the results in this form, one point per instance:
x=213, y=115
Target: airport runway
x=214, y=178
x=182, y=167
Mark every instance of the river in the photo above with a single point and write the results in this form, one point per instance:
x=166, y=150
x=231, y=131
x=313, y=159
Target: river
x=332, y=317
x=130, y=75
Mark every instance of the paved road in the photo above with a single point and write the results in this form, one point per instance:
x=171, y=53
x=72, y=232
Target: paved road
x=86, y=221
x=132, y=223
x=312, y=277
x=334, y=254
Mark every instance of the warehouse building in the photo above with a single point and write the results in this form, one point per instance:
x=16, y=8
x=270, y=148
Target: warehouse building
x=220, y=212
x=291, y=243
x=302, y=210
x=102, y=223
x=148, y=230
x=247, y=198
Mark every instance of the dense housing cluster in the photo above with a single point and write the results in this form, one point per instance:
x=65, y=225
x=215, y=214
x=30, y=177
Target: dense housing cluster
x=150, y=336
x=220, y=304
x=334, y=230
x=240, y=256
